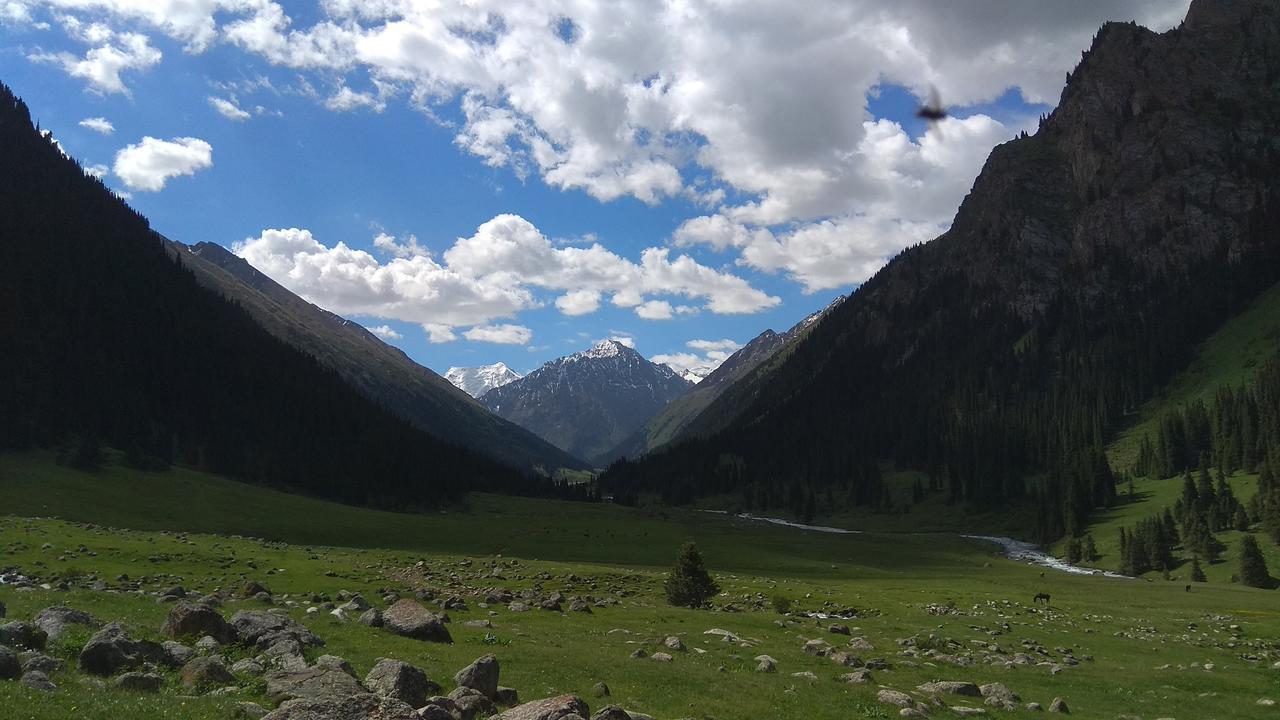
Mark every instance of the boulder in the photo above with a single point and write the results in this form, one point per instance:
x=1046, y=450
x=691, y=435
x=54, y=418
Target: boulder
x=1059, y=706
x=857, y=677
x=248, y=711
x=191, y=620
x=400, y=680
x=894, y=697
x=371, y=617
x=472, y=703
x=55, y=620
x=363, y=706
x=409, y=618
x=507, y=697
x=253, y=588
x=600, y=690
x=263, y=629
x=998, y=694
x=37, y=680
x=556, y=708
x=248, y=666
x=23, y=635
x=481, y=675
x=817, y=647
x=950, y=687
x=10, y=668
x=611, y=712
x=139, y=682
x=861, y=644
x=333, y=662
x=674, y=643
x=204, y=673
x=176, y=653
x=41, y=662
x=838, y=629
x=111, y=650
x=311, y=684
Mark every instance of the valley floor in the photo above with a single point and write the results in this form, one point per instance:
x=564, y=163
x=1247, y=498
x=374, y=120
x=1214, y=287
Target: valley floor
x=932, y=607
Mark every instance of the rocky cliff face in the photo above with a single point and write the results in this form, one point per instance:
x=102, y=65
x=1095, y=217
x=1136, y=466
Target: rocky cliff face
x=587, y=402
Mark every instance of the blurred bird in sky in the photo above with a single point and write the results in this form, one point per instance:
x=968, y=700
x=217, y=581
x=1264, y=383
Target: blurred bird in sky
x=933, y=110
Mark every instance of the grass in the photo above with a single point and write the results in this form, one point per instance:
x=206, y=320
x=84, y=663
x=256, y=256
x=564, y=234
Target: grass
x=299, y=547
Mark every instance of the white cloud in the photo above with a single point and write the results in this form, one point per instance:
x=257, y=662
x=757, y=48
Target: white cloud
x=495, y=273
x=438, y=333
x=626, y=340
x=386, y=332
x=149, y=164
x=707, y=356
x=347, y=99
x=99, y=125
x=99, y=171
x=228, y=108
x=654, y=310
x=500, y=334
x=101, y=66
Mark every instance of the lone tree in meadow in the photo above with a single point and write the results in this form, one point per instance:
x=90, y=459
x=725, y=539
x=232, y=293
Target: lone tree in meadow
x=1197, y=572
x=689, y=584
x=1253, y=568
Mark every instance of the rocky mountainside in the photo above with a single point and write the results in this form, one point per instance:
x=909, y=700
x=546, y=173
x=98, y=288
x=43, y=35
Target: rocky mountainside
x=477, y=381
x=1077, y=277
x=377, y=369
x=680, y=417
x=587, y=402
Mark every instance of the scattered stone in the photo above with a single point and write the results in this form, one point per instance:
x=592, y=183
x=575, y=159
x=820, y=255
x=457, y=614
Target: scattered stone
x=400, y=680
x=333, y=662
x=263, y=629
x=37, y=680
x=964, y=711
x=894, y=697
x=1059, y=706
x=805, y=675
x=857, y=677
x=111, y=650
x=139, y=682
x=950, y=687
x=861, y=644
x=253, y=588
x=766, y=664
x=249, y=711
x=600, y=690
x=556, y=708
x=1034, y=707
x=55, y=620
x=410, y=619
x=362, y=706
x=611, y=712
x=204, y=673
x=191, y=620
x=207, y=644
x=248, y=666
x=507, y=697
x=674, y=643
x=838, y=629
x=817, y=647
x=481, y=675
x=41, y=662
x=639, y=654
x=10, y=668
x=177, y=653
x=23, y=635
x=311, y=684
x=371, y=617
x=662, y=657
x=1266, y=702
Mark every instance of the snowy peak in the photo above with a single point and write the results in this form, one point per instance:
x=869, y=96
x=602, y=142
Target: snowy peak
x=477, y=381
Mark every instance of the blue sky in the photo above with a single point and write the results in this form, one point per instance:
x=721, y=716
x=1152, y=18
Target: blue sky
x=783, y=174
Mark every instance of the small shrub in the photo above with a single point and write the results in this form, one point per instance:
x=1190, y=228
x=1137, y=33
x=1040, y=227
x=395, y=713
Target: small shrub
x=781, y=603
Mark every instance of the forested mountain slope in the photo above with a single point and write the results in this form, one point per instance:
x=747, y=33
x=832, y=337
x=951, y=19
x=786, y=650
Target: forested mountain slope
x=1076, y=279
x=105, y=336
x=380, y=371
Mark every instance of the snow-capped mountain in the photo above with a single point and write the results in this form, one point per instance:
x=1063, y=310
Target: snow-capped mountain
x=477, y=381
x=695, y=374
x=587, y=402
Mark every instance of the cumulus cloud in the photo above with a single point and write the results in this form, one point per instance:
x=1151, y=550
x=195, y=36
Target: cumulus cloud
x=151, y=163
x=99, y=125
x=99, y=171
x=101, y=66
x=707, y=356
x=500, y=334
x=654, y=310
x=495, y=273
x=386, y=332
x=228, y=108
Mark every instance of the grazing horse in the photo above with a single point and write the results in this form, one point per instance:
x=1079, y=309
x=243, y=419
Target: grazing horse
x=1188, y=588
x=1041, y=596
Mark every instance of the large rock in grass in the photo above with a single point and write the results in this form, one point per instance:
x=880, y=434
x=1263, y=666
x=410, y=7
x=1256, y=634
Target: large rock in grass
x=472, y=703
x=611, y=712
x=10, y=668
x=356, y=707
x=111, y=650
x=481, y=675
x=192, y=620
x=951, y=687
x=409, y=618
x=37, y=680
x=556, y=708
x=312, y=684
x=23, y=635
x=204, y=673
x=263, y=629
x=56, y=620
x=402, y=681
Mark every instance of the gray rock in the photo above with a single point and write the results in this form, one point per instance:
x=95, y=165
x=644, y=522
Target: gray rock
x=371, y=617
x=410, y=619
x=857, y=677
x=208, y=644
x=481, y=675
x=507, y=697
x=600, y=690
x=472, y=703
x=363, y=706
x=248, y=711
x=10, y=668
x=1059, y=706
x=894, y=697
x=674, y=643
x=41, y=662
x=434, y=712
x=950, y=687
x=23, y=635
x=55, y=620
x=400, y=680
x=817, y=647
x=263, y=629
x=248, y=666
x=611, y=712
x=111, y=650
x=192, y=620
x=177, y=653
x=311, y=684
x=556, y=708
x=838, y=629
x=37, y=680
x=999, y=693
x=204, y=673
x=139, y=682
x=333, y=662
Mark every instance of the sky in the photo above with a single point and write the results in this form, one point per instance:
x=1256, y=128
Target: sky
x=493, y=180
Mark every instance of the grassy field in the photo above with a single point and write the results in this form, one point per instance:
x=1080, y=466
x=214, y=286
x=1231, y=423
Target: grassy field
x=1149, y=641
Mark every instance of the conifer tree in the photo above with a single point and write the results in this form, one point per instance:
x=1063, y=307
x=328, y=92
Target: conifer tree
x=1090, y=549
x=1197, y=572
x=689, y=584
x=1253, y=568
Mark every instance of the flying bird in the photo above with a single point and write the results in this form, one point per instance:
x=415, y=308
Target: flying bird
x=933, y=110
